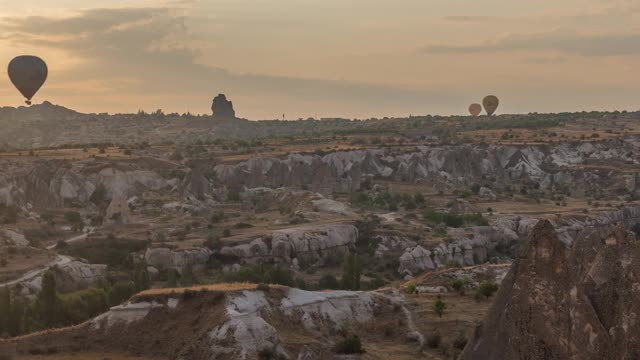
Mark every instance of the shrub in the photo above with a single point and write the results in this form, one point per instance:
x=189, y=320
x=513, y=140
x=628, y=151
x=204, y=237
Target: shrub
x=328, y=282
x=213, y=242
x=226, y=232
x=350, y=345
x=257, y=274
x=460, y=342
x=411, y=289
x=242, y=225
x=475, y=219
x=217, y=217
x=452, y=264
x=487, y=289
x=439, y=307
x=434, y=340
x=459, y=285
x=233, y=196
x=268, y=354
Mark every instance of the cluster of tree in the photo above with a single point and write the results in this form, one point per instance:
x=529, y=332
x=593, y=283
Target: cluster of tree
x=75, y=220
x=280, y=274
x=51, y=309
x=261, y=274
x=452, y=220
x=387, y=201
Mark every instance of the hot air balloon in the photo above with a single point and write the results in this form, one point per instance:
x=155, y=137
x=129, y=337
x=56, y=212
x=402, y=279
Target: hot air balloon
x=475, y=109
x=28, y=73
x=490, y=103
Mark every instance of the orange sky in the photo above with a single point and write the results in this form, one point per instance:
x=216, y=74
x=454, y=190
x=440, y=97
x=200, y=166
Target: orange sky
x=359, y=58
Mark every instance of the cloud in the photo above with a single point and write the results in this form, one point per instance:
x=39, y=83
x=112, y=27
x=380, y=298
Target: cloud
x=544, y=60
x=151, y=52
x=569, y=42
x=471, y=19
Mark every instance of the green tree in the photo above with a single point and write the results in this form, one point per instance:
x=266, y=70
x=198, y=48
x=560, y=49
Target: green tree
x=187, y=278
x=487, y=289
x=74, y=219
x=16, y=324
x=351, y=272
x=48, y=301
x=172, y=278
x=120, y=291
x=459, y=285
x=141, y=277
x=439, y=306
x=5, y=309
x=328, y=282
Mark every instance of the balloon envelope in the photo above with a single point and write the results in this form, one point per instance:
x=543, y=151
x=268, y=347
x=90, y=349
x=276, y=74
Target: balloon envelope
x=28, y=74
x=475, y=109
x=490, y=103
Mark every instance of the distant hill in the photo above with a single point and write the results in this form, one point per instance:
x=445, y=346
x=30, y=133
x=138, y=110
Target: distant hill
x=50, y=125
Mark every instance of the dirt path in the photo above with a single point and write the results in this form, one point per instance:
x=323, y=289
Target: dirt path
x=59, y=260
x=81, y=237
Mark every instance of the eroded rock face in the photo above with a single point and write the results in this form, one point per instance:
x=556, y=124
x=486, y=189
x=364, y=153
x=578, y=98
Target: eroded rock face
x=179, y=260
x=72, y=276
x=222, y=108
x=559, y=302
x=311, y=244
x=551, y=166
x=52, y=183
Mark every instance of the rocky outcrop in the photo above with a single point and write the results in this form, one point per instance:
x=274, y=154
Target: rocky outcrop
x=222, y=108
x=332, y=206
x=309, y=244
x=118, y=210
x=179, y=260
x=553, y=167
x=54, y=183
x=14, y=238
x=467, y=247
x=487, y=193
x=72, y=276
x=415, y=260
x=559, y=302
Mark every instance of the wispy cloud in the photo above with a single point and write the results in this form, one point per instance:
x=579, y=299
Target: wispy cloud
x=151, y=51
x=563, y=41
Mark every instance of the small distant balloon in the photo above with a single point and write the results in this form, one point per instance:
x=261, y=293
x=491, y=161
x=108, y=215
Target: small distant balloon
x=28, y=73
x=475, y=109
x=490, y=103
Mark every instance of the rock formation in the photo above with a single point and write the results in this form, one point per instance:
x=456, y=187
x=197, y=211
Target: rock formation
x=222, y=108
x=310, y=244
x=552, y=167
x=559, y=302
x=179, y=260
x=72, y=276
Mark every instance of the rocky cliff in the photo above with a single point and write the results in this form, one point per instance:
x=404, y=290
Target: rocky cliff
x=555, y=166
x=559, y=302
x=308, y=244
x=52, y=183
